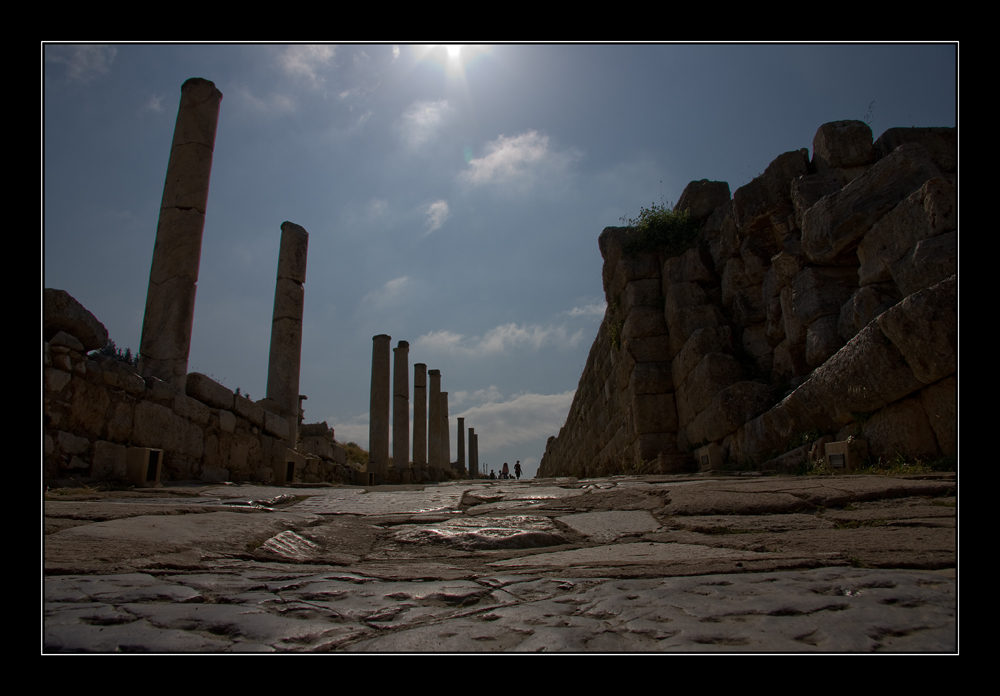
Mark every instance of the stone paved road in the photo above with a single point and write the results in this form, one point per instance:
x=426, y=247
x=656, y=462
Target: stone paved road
x=651, y=564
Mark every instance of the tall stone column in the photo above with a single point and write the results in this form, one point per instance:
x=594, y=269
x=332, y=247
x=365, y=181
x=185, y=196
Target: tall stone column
x=434, y=420
x=378, y=415
x=173, y=275
x=473, y=453
x=461, y=446
x=419, y=415
x=445, y=432
x=285, y=357
x=401, y=406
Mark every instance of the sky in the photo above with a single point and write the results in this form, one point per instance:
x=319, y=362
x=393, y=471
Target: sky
x=453, y=195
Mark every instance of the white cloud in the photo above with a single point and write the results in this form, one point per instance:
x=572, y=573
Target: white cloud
x=307, y=62
x=83, y=63
x=354, y=430
x=388, y=293
x=592, y=310
x=500, y=339
x=273, y=104
x=437, y=213
x=518, y=163
x=422, y=120
x=154, y=103
x=523, y=419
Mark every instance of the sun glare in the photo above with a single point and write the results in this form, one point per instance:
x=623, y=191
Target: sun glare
x=452, y=58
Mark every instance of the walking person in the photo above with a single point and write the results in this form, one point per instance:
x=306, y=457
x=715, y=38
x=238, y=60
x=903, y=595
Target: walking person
x=517, y=469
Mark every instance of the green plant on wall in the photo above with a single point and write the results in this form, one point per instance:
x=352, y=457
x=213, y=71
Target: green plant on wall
x=660, y=228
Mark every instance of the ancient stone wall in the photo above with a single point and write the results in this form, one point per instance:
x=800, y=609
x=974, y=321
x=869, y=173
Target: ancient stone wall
x=95, y=407
x=821, y=304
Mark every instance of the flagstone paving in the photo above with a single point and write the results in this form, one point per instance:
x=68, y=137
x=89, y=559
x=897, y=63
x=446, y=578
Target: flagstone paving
x=625, y=564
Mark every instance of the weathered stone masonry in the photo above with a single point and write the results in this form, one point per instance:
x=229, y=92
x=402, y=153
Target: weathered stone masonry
x=95, y=407
x=824, y=301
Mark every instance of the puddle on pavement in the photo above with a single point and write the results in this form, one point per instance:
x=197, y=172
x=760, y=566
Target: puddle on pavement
x=484, y=533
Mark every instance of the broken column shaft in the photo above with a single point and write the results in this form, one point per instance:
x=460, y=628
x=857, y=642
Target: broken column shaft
x=461, y=446
x=285, y=357
x=434, y=420
x=173, y=275
x=378, y=426
x=473, y=453
x=401, y=406
x=419, y=415
x=445, y=433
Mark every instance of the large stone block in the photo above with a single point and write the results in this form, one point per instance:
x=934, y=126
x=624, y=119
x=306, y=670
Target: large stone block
x=842, y=144
x=823, y=339
x=748, y=306
x=191, y=409
x=108, y=461
x=940, y=402
x=158, y=427
x=901, y=429
x=774, y=323
x=793, y=327
x=250, y=410
x=88, y=407
x=790, y=359
x=690, y=319
x=208, y=391
x=651, y=378
x=834, y=227
x=940, y=143
x=61, y=312
x=119, y=416
x=754, y=341
x=767, y=196
x=714, y=339
x=807, y=190
x=643, y=322
x=865, y=304
x=649, y=445
x=817, y=291
x=679, y=296
x=642, y=293
x=729, y=409
x=714, y=372
x=929, y=262
x=865, y=375
x=924, y=328
x=649, y=349
x=928, y=212
x=654, y=413
x=701, y=198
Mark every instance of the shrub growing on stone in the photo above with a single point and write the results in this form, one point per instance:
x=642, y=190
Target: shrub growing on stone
x=660, y=228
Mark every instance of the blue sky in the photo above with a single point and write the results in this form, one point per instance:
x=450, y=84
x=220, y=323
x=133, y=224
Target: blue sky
x=453, y=198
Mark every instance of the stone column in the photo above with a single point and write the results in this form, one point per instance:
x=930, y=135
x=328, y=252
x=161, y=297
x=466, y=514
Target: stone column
x=285, y=357
x=445, y=433
x=473, y=453
x=173, y=275
x=401, y=406
x=419, y=415
x=461, y=446
x=434, y=420
x=378, y=414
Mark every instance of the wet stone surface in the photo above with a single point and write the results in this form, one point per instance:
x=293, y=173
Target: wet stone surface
x=626, y=564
